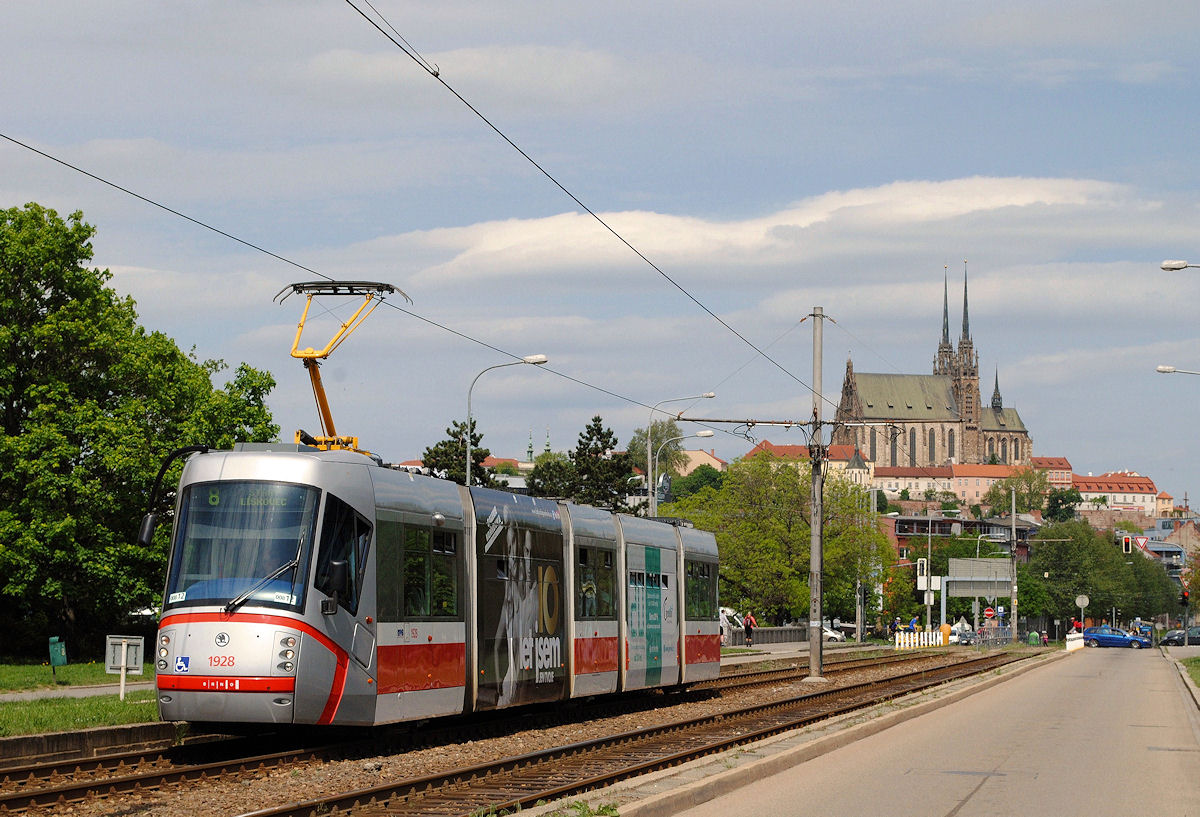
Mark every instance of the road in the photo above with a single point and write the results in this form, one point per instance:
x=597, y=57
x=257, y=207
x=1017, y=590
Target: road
x=1101, y=732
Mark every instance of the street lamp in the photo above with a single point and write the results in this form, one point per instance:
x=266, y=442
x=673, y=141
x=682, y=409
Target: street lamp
x=708, y=395
x=1176, y=266
x=705, y=433
x=1173, y=370
x=532, y=360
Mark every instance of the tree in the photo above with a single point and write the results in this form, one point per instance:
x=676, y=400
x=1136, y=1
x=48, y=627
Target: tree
x=448, y=458
x=601, y=475
x=553, y=475
x=670, y=458
x=1061, y=504
x=1031, y=487
x=91, y=403
x=761, y=517
x=704, y=476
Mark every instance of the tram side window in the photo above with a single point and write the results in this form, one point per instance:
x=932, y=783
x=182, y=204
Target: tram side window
x=389, y=589
x=444, y=579
x=345, y=536
x=594, y=584
x=701, y=591
x=418, y=572
x=417, y=558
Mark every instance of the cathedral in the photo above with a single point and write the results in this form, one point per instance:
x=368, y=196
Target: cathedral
x=921, y=420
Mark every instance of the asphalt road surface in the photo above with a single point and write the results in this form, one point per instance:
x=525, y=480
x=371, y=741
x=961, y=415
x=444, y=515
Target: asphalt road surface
x=1102, y=732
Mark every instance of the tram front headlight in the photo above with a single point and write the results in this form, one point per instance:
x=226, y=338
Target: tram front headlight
x=288, y=641
x=162, y=652
x=162, y=663
x=287, y=666
x=287, y=654
x=164, y=639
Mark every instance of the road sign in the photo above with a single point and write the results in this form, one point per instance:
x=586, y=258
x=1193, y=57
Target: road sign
x=988, y=612
x=124, y=653
x=1141, y=541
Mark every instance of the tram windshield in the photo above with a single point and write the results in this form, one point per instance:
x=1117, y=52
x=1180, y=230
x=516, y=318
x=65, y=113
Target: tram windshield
x=242, y=543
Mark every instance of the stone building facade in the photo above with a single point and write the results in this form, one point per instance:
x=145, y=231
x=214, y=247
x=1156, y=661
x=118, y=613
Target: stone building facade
x=923, y=420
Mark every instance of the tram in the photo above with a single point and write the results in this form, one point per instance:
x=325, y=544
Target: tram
x=314, y=586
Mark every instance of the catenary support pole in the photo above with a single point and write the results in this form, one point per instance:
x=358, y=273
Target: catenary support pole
x=816, y=558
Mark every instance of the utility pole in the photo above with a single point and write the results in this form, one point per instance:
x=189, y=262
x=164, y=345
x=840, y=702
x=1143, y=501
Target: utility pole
x=1013, y=556
x=816, y=451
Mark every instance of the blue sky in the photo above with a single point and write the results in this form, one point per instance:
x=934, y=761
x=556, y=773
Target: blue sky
x=768, y=159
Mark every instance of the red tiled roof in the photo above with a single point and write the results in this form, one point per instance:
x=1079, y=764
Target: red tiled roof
x=1047, y=463
x=800, y=452
x=935, y=471
x=1113, y=483
x=990, y=471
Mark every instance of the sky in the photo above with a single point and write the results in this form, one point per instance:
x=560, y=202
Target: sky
x=747, y=164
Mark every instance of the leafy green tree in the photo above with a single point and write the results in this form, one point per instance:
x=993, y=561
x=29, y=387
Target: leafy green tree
x=91, y=403
x=553, y=475
x=507, y=468
x=601, y=474
x=1031, y=487
x=761, y=515
x=1071, y=558
x=704, y=476
x=670, y=457
x=1061, y=503
x=448, y=458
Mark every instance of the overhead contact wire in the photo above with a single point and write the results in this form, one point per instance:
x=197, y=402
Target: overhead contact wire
x=437, y=76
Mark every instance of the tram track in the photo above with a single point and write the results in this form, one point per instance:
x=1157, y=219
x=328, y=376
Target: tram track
x=50, y=786
x=520, y=782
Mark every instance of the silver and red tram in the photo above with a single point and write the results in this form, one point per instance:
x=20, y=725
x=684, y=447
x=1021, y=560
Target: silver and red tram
x=319, y=587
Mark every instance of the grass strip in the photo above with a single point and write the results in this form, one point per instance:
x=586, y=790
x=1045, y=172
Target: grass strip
x=73, y=714
x=16, y=677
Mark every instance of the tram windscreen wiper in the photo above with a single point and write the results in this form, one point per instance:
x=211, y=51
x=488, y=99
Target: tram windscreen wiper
x=241, y=598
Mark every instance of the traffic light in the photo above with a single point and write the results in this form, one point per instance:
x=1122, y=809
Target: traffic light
x=1126, y=544
x=1183, y=597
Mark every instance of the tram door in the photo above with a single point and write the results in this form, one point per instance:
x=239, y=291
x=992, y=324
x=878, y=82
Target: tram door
x=653, y=617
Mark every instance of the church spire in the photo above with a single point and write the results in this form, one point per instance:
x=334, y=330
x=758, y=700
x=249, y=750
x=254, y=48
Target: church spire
x=997, y=402
x=945, y=305
x=966, y=333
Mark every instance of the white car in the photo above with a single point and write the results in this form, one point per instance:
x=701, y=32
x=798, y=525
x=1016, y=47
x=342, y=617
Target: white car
x=832, y=635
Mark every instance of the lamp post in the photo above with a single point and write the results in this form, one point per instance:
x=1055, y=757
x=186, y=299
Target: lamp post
x=705, y=433
x=1173, y=370
x=1176, y=266
x=532, y=360
x=650, y=492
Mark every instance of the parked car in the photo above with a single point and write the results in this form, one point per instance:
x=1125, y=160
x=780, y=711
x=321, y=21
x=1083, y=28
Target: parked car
x=1105, y=636
x=832, y=635
x=1174, y=638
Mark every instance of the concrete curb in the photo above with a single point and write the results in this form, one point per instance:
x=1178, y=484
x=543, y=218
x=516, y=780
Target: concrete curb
x=88, y=743
x=700, y=781
x=1188, y=684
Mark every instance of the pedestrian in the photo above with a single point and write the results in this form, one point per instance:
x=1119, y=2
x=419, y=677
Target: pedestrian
x=749, y=622
x=1045, y=638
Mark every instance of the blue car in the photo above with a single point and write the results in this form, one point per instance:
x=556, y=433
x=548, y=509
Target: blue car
x=1105, y=636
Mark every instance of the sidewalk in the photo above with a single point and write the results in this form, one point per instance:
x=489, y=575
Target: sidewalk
x=75, y=692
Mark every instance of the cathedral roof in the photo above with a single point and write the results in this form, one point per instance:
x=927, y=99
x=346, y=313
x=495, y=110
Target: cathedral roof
x=1005, y=419
x=921, y=397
